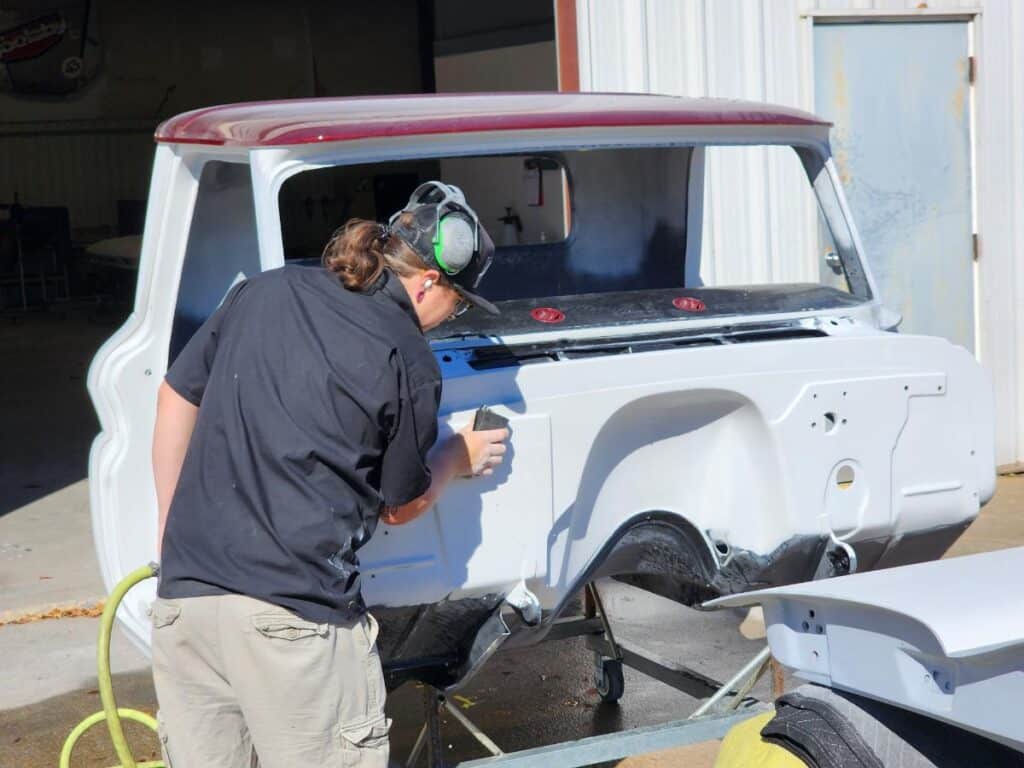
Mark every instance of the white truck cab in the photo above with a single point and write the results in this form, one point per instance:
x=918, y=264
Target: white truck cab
x=688, y=435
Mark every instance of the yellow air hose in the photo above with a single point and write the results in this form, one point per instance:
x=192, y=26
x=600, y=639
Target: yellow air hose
x=111, y=714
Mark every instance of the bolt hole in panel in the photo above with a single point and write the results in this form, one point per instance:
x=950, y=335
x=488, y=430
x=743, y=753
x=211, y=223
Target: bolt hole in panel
x=796, y=638
x=847, y=430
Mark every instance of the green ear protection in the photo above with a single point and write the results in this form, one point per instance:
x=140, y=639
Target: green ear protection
x=454, y=242
x=443, y=226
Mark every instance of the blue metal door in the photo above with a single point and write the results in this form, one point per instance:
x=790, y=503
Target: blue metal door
x=899, y=96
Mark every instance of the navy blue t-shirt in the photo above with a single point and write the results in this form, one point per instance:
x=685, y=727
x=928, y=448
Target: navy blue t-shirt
x=317, y=405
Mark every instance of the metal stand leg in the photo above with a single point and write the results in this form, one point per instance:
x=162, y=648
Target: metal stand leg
x=613, y=648
x=746, y=679
x=612, y=654
x=609, y=679
x=430, y=733
x=474, y=731
x=433, y=701
x=417, y=748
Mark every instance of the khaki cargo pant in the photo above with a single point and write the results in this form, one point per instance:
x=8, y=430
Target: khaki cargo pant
x=243, y=683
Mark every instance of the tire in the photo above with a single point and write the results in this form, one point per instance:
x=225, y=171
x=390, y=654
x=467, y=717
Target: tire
x=609, y=680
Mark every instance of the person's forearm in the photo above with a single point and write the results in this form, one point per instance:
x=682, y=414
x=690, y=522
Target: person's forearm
x=467, y=453
x=444, y=465
x=175, y=420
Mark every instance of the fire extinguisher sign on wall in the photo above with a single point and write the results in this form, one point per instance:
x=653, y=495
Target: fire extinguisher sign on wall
x=533, y=183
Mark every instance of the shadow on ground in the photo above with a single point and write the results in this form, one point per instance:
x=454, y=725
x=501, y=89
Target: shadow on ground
x=46, y=417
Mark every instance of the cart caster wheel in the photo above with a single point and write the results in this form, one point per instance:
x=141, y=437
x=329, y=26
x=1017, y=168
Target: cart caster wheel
x=609, y=680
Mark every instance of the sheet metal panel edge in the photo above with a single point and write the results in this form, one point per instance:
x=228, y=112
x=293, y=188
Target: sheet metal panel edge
x=945, y=638
x=962, y=600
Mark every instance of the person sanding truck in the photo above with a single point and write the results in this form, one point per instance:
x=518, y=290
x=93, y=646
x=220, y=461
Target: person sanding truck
x=299, y=415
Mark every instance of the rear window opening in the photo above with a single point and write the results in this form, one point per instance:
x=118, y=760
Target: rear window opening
x=589, y=238
x=522, y=200
x=563, y=223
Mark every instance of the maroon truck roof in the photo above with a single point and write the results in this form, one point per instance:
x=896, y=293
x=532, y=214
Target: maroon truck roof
x=309, y=121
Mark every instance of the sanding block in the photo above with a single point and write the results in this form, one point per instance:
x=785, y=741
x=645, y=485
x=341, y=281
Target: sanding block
x=487, y=419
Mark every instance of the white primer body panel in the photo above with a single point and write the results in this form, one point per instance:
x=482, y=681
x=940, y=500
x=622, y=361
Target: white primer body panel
x=945, y=638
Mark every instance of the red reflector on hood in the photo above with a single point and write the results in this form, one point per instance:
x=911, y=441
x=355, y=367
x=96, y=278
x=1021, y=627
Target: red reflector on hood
x=689, y=304
x=547, y=315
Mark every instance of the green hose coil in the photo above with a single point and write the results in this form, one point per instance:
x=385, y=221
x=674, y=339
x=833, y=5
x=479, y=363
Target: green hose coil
x=110, y=713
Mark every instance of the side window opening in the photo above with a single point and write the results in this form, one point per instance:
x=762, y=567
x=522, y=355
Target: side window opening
x=747, y=243
x=315, y=203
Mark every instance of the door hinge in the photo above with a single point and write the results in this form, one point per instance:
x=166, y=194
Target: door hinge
x=976, y=246
x=972, y=69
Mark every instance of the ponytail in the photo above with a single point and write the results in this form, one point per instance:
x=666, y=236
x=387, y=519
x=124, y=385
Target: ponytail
x=360, y=250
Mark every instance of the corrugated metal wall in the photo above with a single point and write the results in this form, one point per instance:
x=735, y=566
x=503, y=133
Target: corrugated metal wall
x=87, y=170
x=725, y=49
x=762, y=50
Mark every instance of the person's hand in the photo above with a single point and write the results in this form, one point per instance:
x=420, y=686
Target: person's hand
x=482, y=451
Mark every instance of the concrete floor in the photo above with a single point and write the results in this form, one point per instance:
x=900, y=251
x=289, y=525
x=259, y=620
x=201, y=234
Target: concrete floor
x=522, y=698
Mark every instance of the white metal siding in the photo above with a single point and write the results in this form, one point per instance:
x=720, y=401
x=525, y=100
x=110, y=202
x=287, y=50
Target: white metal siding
x=697, y=48
x=763, y=50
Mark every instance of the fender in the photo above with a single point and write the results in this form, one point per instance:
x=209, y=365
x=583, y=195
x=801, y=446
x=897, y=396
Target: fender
x=444, y=643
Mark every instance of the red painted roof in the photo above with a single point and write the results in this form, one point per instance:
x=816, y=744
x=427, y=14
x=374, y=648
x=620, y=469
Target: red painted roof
x=309, y=121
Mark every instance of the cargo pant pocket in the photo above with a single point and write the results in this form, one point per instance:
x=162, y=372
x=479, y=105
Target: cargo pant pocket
x=163, y=613
x=365, y=745
x=281, y=626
